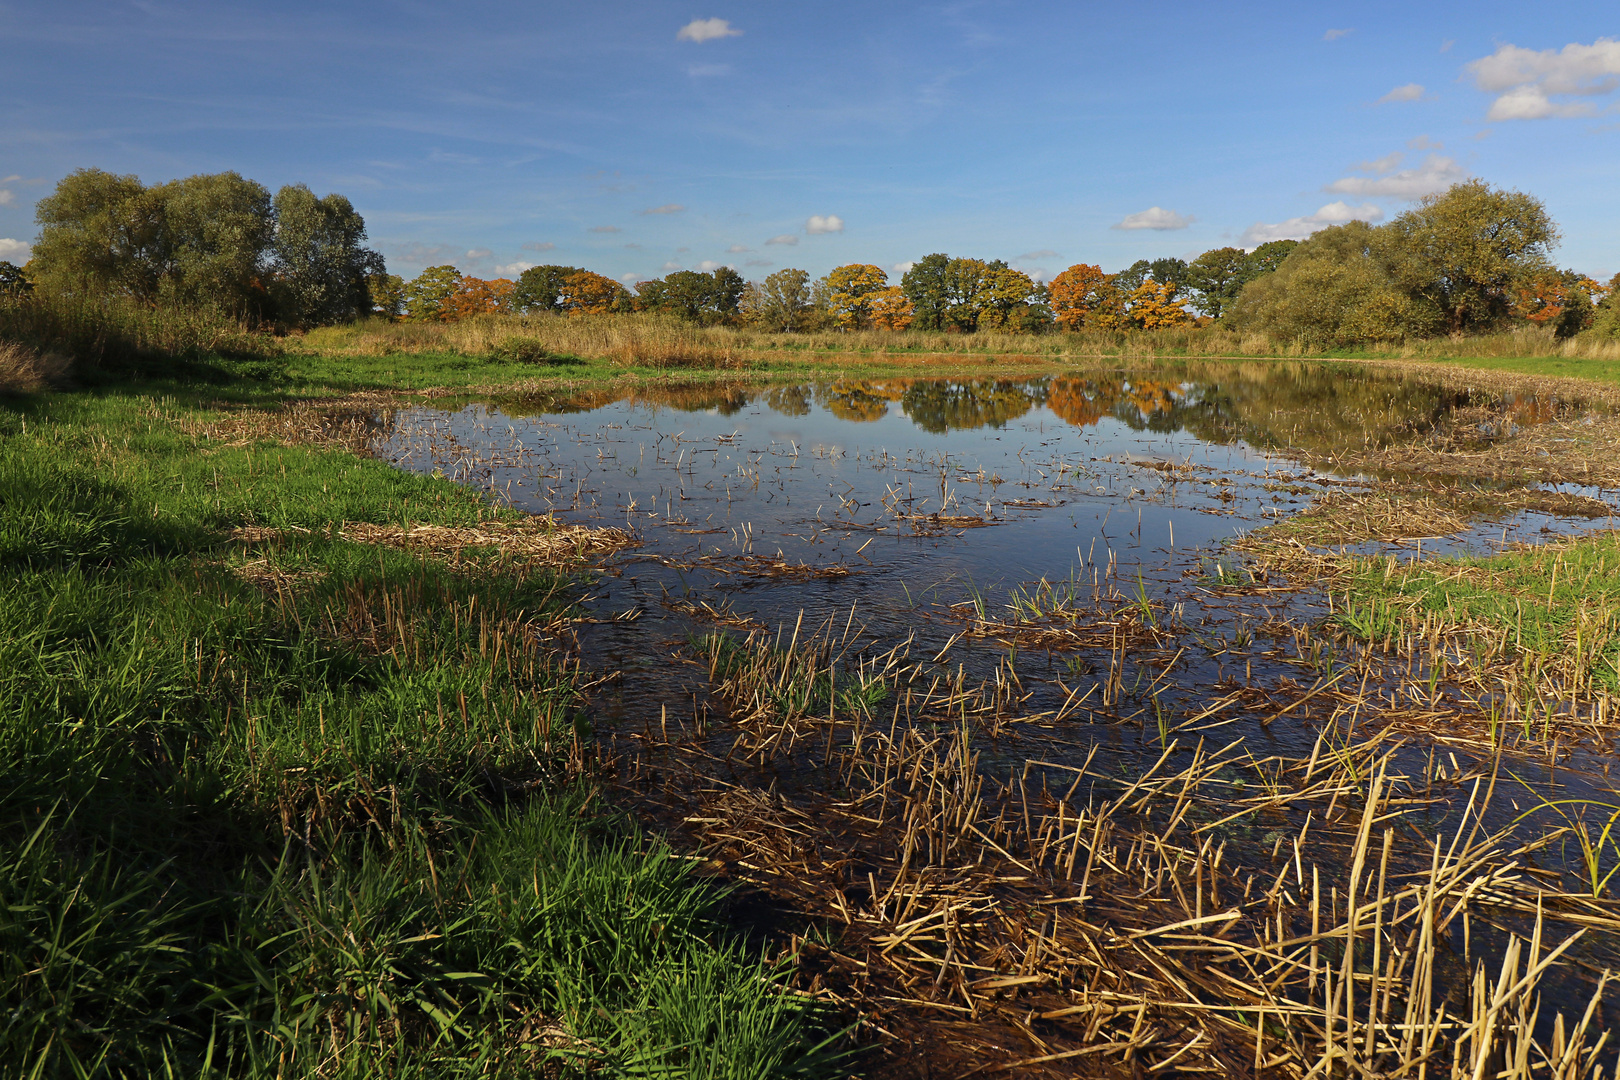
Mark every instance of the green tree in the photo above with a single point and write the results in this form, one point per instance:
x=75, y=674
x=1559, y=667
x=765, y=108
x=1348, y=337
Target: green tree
x=1467, y=250
x=100, y=234
x=1268, y=256
x=1216, y=277
x=727, y=291
x=540, y=289
x=14, y=282
x=319, y=268
x=216, y=232
x=1335, y=289
x=1011, y=300
x=784, y=301
x=926, y=286
x=427, y=295
x=387, y=295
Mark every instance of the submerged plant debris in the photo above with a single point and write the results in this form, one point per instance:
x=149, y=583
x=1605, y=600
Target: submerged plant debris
x=1197, y=761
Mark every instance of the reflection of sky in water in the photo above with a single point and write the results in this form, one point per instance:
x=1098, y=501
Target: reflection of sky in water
x=1069, y=477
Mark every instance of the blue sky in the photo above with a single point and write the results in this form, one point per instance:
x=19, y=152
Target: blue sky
x=633, y=138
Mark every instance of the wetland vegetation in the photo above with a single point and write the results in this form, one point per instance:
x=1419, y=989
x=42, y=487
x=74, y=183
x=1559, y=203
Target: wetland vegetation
x=620, y=695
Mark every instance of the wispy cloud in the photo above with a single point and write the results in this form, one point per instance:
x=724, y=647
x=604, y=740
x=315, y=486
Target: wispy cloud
x=605, y=229
x=785, y=238
x=1410, y=92
x=6, y=197
x=667, y=208
x=738, y=249
x=479, y=253
x=1423, y=142
x=670, y=267
x=759, y=262
x=700, y=30
x=708, y=71
x=1435, y=174
x=818, y=225
x=1335, y=35
x=419, y=254
x=1526, y=82
x=1157, y=218
x=539, y=245
x=1334, y=213
x=1031, y=256
x=512, y=269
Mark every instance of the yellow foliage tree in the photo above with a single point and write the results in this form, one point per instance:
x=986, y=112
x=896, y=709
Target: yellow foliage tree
x=1153, y=306
x=587, y=293
x=847, y=293
x=474, y=296
x=890, y=309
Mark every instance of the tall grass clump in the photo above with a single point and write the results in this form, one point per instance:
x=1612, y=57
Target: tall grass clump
x=123, y=336
x=276, y=803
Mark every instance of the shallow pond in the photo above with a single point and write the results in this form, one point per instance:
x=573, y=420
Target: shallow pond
x=1064, y=541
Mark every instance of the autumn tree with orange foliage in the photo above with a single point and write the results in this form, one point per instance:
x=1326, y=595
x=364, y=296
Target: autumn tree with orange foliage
x=475, y=296
x=1084, y=296
x=890, y=309
x=1153, y=306
x=587, y=293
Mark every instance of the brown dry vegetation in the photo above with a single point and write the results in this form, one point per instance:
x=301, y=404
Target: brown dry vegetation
x=25, y=370
x=651, y=340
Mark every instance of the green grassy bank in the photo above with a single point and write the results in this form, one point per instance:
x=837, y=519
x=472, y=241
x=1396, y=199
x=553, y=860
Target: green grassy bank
x=273, y=803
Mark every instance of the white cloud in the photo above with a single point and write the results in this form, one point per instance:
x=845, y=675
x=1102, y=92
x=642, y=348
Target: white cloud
x=479, y=253
x=14, y=251
x=785, y=238
x=1526, y=81
x=13, y=178
x=670, y=266
x=818, y=225
x=1334, y=213
x=738, y=249
x=629, y=279
x=1381, y=165
x=1031, y=256
x=1435, y=174
x=6, y=197
x=902, y=268
x=667, y=208
x=539, y=245
x=1155, y=217
x=512, y=269
x=1423, y=142
x=700, y=30
x=1410, y=92
x=1335, y=35
x=709, y=266
x=605, y=228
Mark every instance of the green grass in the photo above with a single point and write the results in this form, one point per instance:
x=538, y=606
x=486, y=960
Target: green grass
x=1546, y=611
x=301, y=808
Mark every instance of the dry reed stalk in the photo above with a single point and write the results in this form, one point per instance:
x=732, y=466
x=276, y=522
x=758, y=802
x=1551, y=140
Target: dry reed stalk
x=999, y=926
x=26, y=371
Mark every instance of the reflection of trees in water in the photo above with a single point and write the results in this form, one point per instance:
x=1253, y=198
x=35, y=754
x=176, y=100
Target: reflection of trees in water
x=789, y=400
x=1312, y=406
x=974, y=403
x=936, y=405
x=1084, y=401
x=1308, y=406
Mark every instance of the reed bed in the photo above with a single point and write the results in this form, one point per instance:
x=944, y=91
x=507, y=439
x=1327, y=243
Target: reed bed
x=1215, y=910
x=664, y=341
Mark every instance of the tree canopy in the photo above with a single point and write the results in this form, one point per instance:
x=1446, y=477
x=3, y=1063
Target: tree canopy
x=214, y=240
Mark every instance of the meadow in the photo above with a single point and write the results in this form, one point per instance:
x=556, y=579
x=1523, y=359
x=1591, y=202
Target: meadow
x=300, y=776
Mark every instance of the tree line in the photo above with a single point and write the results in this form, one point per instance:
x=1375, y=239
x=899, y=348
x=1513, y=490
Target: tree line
x=1472, y=259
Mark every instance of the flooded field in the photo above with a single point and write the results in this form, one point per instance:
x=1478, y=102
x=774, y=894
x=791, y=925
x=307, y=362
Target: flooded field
x=1035, y=717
